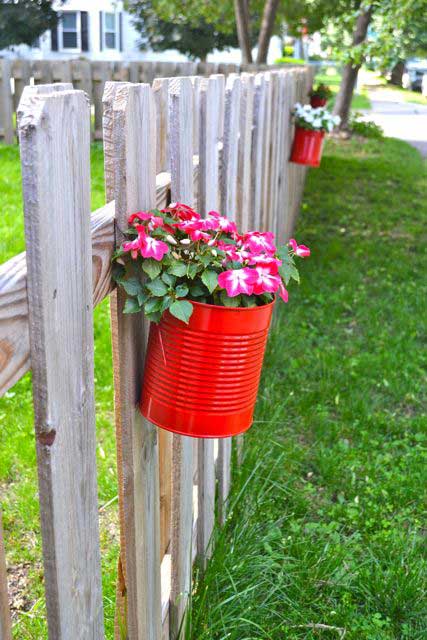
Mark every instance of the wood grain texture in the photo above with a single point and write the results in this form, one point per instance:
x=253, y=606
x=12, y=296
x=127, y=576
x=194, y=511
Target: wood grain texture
x=228, y=199
x=273, y=153
x=161, y=97
x=244, y=203
x=211, y=95
x=6, y=104
x=228, y=177
x=134, y=159
x=266, y=159
x=61, y=340
x=5, y=621
x=257, y=157
x=182, y=184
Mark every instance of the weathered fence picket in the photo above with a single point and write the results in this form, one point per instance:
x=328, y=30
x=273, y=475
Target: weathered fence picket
x=216, y=143
x=211, y=96
x=5, y=621
x=133, y=155
x=91, y=76
x=59, y=282
x=182, y=190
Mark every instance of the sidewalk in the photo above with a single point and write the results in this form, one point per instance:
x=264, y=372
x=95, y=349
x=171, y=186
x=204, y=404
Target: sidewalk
x=399, y=119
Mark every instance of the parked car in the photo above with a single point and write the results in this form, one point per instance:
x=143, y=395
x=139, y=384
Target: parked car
x=413, y=75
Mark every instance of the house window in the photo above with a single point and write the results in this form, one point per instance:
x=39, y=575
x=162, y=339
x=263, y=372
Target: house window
x=70, y=30
x=110, y=30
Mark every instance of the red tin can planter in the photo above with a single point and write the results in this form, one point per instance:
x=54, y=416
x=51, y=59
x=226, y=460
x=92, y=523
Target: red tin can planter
x=307, y=147
x=315, y=102
x=202, y=379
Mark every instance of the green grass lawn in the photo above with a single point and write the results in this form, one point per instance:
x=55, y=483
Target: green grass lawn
x=328, y=517
x=18, y=480
x=328, y=513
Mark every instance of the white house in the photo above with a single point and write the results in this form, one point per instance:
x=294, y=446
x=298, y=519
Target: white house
x=103, y=30
x=92, y=29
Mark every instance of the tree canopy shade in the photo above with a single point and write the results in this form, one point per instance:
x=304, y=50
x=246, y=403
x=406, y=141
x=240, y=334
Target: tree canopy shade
x=188, y=32
x=23, y=21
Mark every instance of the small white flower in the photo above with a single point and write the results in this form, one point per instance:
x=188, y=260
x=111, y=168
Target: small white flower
x=317, y=123
x=185, y=241
x=171, y=239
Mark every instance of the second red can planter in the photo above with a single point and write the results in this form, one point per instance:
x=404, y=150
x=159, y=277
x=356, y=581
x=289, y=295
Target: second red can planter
x=202, y=379
x=316, y=102
x=307, y=147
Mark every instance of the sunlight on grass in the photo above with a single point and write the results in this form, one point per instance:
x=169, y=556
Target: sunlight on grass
x=327, y=514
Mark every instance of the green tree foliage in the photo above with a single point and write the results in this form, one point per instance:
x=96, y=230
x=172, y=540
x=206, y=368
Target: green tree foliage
x=22, y=21
x=181, y=27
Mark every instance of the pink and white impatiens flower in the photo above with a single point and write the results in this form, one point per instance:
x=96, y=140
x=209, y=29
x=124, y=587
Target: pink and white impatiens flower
x=266, y=281
x=258, y=242
x=237, y=281
x=300, y=250
x=205, y=260
x=147, y=246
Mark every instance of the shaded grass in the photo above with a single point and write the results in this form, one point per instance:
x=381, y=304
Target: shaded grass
x=327, y=519
x=18, y=479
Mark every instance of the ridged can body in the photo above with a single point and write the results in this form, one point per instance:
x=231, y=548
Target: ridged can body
x=307, y=147
x=316, y=102
x=202, y=379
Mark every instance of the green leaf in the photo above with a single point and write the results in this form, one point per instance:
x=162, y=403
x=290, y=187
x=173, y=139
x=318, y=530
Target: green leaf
x=132, y=286
x=181, y=291
x=178, y=269
x=132, y=306
x=118, y=272
x=142, y=297
x=181, y=309
x=151, y=267
x=155, y=316
x=193, y=269
x=210, y=279
x=248, y=301
x=229, y=302
x=168, y=279
x=197, y=290
x=153, y=304
x=166, y=303
x=287, y=271
x=157, y=287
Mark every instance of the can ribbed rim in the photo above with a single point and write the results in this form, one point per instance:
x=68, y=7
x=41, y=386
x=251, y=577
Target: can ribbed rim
x=218, y=306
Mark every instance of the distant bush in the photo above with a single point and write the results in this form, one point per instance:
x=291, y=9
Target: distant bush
x=365, y=128
x=289, y=60
x=288, y=50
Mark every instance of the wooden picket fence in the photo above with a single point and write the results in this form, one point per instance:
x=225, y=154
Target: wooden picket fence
x=211, y=142
x=90, y=76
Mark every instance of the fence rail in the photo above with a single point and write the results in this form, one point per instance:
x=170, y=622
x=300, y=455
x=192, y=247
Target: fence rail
x=91, y=76
x=207, y=141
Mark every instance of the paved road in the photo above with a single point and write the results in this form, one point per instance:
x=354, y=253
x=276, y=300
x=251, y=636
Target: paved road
x=403, y=120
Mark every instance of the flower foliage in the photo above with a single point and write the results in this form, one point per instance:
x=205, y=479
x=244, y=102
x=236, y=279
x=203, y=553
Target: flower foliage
x=174, y=256
x=322, y=91
x=315, y=119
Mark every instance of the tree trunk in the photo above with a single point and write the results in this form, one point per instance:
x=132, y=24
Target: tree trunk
x=397, y=73
x=349, y=77
x=241, y=11
x=266, y=31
